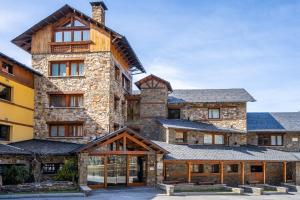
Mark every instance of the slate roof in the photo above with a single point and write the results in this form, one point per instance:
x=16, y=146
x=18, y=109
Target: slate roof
x=6, y=149
x=209, y=96
x=201, y=152
x=47, y=147
x=273, y=121
x=192, y=125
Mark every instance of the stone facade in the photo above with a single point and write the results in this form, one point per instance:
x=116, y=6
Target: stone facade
x=290, y=141
x=232, y=115
x=98, y=85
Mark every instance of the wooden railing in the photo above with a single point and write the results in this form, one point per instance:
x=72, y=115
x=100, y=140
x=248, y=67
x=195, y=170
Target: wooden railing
x=71, y=47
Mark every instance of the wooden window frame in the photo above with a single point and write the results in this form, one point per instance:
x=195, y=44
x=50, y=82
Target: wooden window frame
x=212, y=167
x=9, y=66
x=214, y=109
x=262, y=168
x=10, y=93
x=269, y=137
x=233, y=172
x=68, y=64
x=213, y=138
x=67, y=99
x=67, y=126
x=184, y=137
x=72, y=29
x=199, y=171
x=9, y=133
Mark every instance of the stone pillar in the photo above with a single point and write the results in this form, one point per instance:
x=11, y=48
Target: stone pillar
x=82, y=168
x=151, y=169
x=159, y=168
x=297, y=173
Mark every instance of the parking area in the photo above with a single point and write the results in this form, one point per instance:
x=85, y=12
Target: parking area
x=146, y=193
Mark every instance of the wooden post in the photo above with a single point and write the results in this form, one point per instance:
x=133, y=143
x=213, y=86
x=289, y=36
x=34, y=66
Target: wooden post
x=264, y=171
x=127, y=169
x=189, y=172
x=243, y=172
x=165, y=170
x=222, y=172
x=284, y=172
x=105, y=171
x=124, y=143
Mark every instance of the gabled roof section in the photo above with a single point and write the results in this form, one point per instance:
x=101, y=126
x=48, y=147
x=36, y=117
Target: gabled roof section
x=156, y=78
x=24, y=40
x=2, y=55
x=129, y=131
x=273, y=122
x=210, y=96
x=194, y=126
x=49, y=147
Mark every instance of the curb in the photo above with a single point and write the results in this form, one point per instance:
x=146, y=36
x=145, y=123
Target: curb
x=42, y=195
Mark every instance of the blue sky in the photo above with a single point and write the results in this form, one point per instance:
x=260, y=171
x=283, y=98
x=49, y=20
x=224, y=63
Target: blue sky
x=251, y=44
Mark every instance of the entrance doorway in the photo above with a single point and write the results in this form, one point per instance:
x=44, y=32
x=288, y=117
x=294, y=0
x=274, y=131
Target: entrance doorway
x=126, y=170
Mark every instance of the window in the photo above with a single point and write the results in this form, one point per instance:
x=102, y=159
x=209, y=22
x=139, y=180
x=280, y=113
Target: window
x=66, y=100
x=67, y=68
x=208, y=139
x=72, y=31
x=270, y=140
x=133, y=109
x=116, y=126
x=116, y=103
x=117, y=74
x=123, y=108
x=174, y=114
x=51, y=168
x=5, y=92
x=233, y=168
x=215, y=168
x=7, y=68
x=213, y=113
x=4, y=132
x=256, y=168
x=199, y=168
x=180, y=137
x=126, y=83
x=66, y=130
x=214, y=139
x=219, y=139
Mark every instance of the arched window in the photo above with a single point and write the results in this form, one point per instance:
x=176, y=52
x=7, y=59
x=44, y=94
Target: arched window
x=72, y=30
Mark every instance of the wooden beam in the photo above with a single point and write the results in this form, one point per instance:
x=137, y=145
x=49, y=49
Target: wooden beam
x=165, y=170
x=189, y=172
x=124, y=143
x=264, y=172
x=105, y=171
x=121, y=153
x=243, y=172
x=222, y=172
x=284, y=171
x=127, y=169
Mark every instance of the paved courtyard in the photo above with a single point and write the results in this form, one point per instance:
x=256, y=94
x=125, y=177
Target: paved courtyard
x=150, y=193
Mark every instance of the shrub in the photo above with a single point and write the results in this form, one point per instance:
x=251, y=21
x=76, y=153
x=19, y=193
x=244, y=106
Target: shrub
x=69, y=172
x=14, y=174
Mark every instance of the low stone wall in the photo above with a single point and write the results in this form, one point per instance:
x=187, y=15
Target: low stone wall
x=40, y=187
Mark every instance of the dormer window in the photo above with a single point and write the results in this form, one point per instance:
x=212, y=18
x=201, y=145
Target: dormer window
x=73, y=30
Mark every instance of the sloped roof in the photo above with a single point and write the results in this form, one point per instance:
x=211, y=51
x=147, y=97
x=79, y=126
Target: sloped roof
x=48, y=147
x=202, y=152
x=24, y=40
x=6, y=149
x=209, y=96
x=193, y=125
x=273, y=121
x=151, y=76
x=118, y=132
x=2, y=55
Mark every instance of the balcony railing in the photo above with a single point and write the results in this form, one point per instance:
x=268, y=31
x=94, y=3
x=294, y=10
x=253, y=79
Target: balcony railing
x=70, y=47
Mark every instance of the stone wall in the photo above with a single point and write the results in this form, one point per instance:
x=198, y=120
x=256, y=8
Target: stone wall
x=232, y=115
x=98, y=85
x=274, y=173
x=197, y=137
x=176, y=172
x=288, y=143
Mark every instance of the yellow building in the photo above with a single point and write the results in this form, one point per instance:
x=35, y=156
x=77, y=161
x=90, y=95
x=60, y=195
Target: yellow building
x=16, y=100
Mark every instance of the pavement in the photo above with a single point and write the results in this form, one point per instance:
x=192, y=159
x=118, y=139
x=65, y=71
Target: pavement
x=146, y=193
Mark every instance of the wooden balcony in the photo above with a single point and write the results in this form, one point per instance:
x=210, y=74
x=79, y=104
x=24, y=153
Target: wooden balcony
x=70, y=47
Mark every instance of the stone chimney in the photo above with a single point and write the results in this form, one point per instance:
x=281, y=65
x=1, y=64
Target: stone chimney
x=98, y=11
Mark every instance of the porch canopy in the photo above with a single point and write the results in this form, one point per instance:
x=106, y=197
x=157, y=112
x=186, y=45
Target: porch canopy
x=223, y=164
x=122, y=157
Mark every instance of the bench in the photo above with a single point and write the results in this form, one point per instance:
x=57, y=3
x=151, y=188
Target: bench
x=85, y=189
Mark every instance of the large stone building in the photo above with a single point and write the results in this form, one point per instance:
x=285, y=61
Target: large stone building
x=85, y=108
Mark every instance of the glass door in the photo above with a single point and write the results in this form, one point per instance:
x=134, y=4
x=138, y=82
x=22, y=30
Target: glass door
x=137, y=170
x=116, y=170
